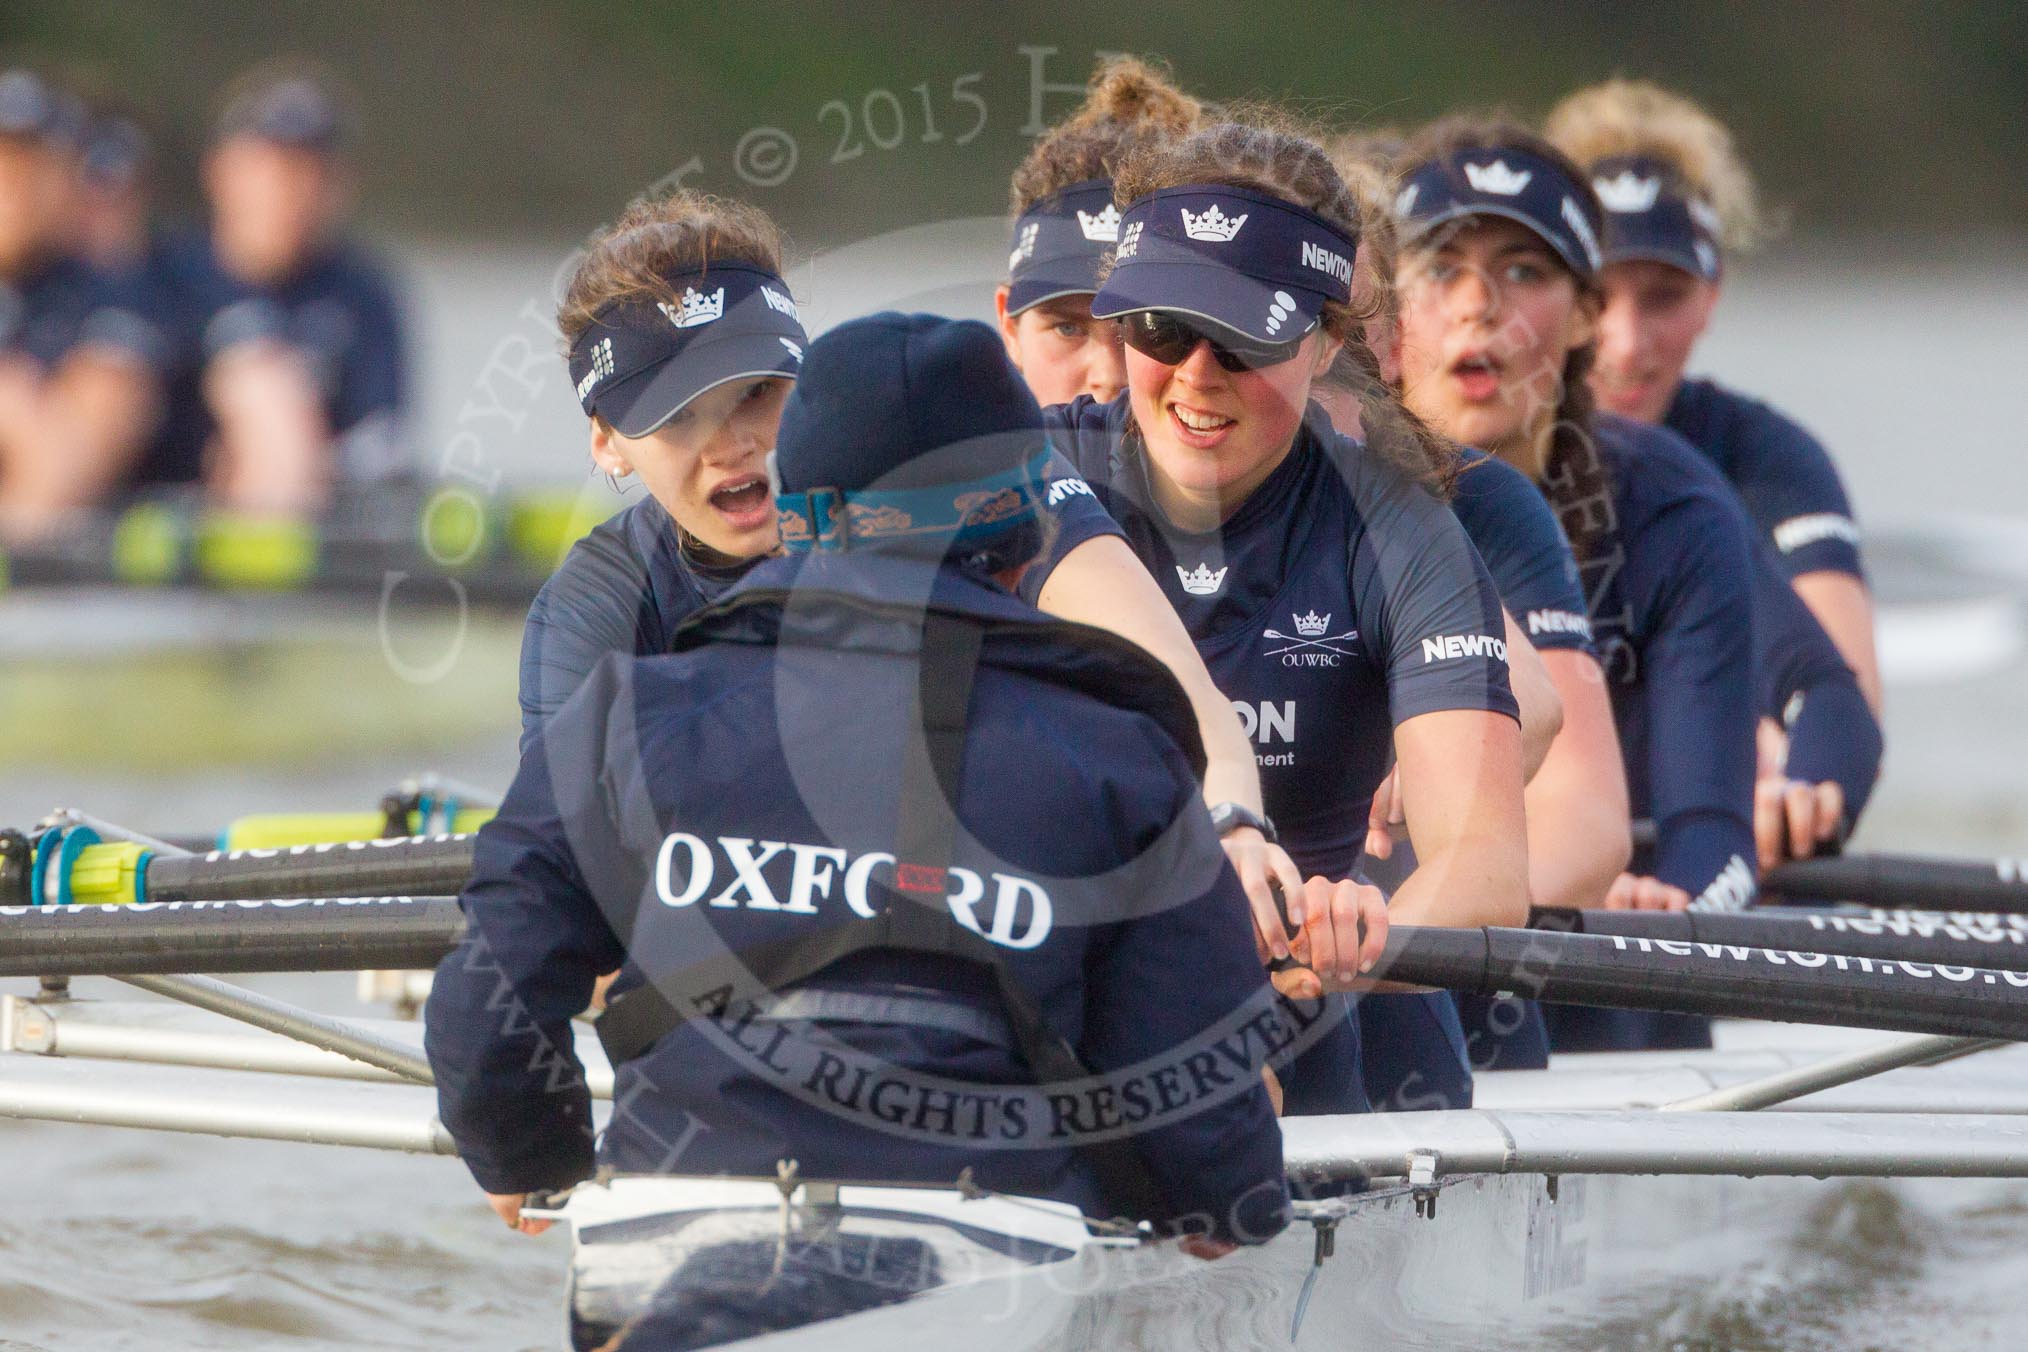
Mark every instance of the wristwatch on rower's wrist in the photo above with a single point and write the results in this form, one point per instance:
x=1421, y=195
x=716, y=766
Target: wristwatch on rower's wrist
x=1229, y=817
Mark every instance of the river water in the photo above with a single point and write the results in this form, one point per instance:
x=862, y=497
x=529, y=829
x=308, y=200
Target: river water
x=113, y=1238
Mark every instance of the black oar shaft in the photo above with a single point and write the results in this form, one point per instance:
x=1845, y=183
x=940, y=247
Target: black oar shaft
x=1628, y=971
x=417, y=866
x=1962, y=940
x=1735, y=981
x=321, y=935
x=1899, y=880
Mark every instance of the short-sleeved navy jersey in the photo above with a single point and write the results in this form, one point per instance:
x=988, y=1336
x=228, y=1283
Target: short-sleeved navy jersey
x=1525, y=550
x=744, y=792
x=628, y=584
x=1783, y=474
x=338, y=311
x=1339, y=600
x=66, y=304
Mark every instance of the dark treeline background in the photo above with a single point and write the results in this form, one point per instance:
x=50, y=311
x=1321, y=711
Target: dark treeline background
x=514, y=118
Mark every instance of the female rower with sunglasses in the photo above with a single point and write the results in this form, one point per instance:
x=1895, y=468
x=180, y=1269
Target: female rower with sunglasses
x=1333, y=596
x=1677, y=197
x=1498, y=318
x=682, y=340
x=1065, y=227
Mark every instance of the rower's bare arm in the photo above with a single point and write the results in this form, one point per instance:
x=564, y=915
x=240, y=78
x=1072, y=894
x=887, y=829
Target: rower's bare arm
x=1541, y=702
x=274, y=443
x=66, y=438
x=1102, y=583
x=1844, y=606
x=1462, y=794
x=108, y=402
x=1578, y=836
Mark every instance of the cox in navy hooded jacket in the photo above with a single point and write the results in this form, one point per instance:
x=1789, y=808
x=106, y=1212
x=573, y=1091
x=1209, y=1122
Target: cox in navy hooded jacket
x=744, y=789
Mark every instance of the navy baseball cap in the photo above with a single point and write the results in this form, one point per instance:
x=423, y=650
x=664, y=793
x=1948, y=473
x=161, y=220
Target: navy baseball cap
x=911, y=433
x=1651, y=214
x=640, y=361
x=33, y=108
x=1252, y=263
x=1060, y=245
x=1511, y=182
x=295, y=110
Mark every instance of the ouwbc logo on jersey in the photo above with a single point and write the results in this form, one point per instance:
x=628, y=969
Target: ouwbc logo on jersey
x=781, y=877
x=1446, y=647
x=1313, y=644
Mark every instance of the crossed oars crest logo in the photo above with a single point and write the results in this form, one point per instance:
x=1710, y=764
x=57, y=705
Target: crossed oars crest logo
x=1312, y=631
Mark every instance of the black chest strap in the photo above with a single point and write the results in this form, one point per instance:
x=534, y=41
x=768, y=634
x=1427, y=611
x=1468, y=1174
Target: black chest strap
x=915, y=919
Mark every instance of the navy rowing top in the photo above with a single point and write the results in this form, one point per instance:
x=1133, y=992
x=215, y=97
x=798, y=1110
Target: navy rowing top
x=1805, y=684
x=1525, y=550
x=631, y=581
x=1670, y=592
x=338, y=312
x=65, y=304
x=1782, y=473
x=1337, y=590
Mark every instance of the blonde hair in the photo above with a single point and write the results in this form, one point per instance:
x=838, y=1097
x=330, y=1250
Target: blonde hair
x=1129, y=101
x=1620, y=117
x=1270, y=151
x=655, y=238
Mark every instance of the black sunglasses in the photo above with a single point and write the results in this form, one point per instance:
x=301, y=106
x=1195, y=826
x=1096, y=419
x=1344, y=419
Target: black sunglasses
x=1170, y=338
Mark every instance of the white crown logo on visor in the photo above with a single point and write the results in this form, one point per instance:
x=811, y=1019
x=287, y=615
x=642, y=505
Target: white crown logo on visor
x=1130, y=242
x=694, y=308
x=795, y=348
x=1704, y=214
x=1628, y=193
x=1213, y=227
x=1497, y=178
x=1405, y=202
x=1103, y=228
x=1203, y=582
x=1707, y=257
x=1312, y=624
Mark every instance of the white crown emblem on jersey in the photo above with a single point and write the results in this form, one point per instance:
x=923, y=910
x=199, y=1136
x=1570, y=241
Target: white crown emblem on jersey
x=1497, y=178
x=1203, y=582
x=694, y=308
x=1103, y=228
x=1628, y=192
x=1312, y=624
x=1213, y=226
